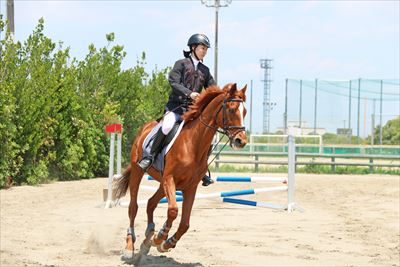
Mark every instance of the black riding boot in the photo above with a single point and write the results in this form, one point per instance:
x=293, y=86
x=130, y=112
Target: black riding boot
x=207, y=179
x=156, y=148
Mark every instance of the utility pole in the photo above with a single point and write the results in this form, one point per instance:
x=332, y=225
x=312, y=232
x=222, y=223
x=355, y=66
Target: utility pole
x=286, y=102
x=373, y=125
x=350, y=104
x=251, y=106
x=268, y=105
x=300, y=105
x=10, y=16
x=216, y=4
x=350, y=131
x=358, y=108
x=380, y=114
x=315, y=106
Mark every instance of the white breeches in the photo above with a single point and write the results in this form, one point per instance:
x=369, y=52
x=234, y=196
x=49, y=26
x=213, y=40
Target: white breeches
x=168, y=122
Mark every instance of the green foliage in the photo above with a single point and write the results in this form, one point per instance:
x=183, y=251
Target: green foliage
x=333, y=139
x=53, y=109
x=390, y=133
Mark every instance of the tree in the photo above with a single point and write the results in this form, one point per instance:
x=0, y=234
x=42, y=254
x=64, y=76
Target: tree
x=390, y=133
x=53, y=109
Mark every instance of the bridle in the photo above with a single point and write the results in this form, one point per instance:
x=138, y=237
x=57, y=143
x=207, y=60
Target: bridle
x=225, y=127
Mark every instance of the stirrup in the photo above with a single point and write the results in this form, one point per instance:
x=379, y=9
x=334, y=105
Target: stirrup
x=145, y=163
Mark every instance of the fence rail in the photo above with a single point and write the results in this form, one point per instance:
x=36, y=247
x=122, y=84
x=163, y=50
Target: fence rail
x=258, y=158
x=322, y=149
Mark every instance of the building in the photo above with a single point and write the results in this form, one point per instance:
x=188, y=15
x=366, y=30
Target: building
x=294, y=129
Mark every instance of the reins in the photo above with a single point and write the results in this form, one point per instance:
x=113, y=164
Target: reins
x=216, y=155
x=225, y=127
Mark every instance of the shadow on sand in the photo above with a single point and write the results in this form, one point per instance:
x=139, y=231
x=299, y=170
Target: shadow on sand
x=156, y=261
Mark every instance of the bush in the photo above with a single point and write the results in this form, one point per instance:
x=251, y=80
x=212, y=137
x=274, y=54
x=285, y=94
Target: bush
x=53, y=109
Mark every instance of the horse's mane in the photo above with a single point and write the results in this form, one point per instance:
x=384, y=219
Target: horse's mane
x=201, y=102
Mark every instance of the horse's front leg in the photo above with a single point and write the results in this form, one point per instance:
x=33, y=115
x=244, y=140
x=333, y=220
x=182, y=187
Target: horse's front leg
x=170, y=192
x=187, y=205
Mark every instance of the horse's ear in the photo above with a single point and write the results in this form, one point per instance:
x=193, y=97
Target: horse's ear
x=244, y=89
x=232, y=88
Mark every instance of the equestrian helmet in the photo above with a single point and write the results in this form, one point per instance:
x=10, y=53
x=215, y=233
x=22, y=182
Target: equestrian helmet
x=197, y=39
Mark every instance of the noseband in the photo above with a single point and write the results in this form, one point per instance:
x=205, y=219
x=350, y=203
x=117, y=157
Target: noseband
x=225, y=127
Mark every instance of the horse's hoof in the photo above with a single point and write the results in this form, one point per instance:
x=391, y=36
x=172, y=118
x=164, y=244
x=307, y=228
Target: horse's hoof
x=154, y=241
x=161, y=248
x=145, y=247
x=128, y=255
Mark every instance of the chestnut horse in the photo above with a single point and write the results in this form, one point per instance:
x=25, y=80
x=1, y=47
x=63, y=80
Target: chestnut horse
x=185, y=163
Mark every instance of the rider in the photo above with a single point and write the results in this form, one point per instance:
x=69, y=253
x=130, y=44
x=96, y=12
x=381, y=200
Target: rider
x=187, y=78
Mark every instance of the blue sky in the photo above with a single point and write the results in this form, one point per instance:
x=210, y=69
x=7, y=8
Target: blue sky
x=328, y=40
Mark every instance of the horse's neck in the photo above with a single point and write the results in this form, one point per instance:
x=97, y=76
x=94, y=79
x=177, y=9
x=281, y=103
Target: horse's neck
x=205, y=125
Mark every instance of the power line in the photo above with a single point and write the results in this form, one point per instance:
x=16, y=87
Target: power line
x=347, y=87
x=353, y=89
x=364, y=90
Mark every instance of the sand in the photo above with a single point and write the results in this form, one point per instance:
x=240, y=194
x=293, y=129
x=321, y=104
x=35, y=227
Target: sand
x=348, y=220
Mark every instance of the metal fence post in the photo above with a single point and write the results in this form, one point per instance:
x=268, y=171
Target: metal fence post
x=371, y=166
x=119, y=144
x=256, y=163
x=110, y=171
x=291, y=172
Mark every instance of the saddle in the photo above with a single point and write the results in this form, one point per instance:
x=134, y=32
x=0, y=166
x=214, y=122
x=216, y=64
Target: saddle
x=158, y=162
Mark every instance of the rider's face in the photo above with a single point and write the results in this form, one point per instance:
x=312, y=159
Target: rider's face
x=201, y=51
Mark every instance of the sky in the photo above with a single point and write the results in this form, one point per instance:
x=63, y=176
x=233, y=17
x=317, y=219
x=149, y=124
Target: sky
x=308, y=40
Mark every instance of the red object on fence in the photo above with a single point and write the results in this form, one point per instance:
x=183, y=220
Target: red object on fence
x=113, y=128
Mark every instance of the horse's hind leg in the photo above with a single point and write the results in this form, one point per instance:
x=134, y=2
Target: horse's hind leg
x=134, y=182
x=151, y=206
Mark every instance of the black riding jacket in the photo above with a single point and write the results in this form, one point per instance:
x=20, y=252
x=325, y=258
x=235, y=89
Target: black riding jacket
x=184, y=80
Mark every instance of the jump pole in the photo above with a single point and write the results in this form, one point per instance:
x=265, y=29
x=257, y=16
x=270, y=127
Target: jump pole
x=113, y=129
x=249, y=179
x=244, y=179
x=222, y=195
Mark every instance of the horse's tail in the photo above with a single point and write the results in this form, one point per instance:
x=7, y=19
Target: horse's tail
x=123, y=183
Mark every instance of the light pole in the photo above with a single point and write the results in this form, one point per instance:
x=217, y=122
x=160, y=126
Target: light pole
x=10, y=16
x=216, y=4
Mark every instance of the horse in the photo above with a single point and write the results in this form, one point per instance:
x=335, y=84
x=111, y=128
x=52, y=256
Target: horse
x=185, y=163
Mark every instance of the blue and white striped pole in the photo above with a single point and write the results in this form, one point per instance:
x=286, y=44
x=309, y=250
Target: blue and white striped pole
x=249, y=179
x=233, y=193
x=243, y=179
x=253, y=203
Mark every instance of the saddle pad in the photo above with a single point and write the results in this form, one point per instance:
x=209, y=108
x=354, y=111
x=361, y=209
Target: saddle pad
x=158, y=163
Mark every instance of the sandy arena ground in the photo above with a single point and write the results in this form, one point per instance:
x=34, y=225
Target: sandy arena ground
x=347, y=221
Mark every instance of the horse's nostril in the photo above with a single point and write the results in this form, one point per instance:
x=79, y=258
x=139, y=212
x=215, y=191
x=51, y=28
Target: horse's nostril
x=238, y=141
